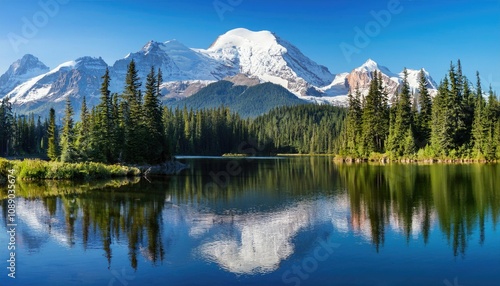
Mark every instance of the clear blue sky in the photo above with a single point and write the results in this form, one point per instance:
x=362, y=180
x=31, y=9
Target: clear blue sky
x=420, y=33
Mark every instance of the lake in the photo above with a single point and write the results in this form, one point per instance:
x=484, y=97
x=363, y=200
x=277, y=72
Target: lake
x=263, y=221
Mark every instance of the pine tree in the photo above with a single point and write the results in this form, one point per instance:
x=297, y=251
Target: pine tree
x=442, y=121
x=354, y=124
x=53, y=146
x=403, y=119
x=6, y=126
x=409, y=147
x=104, y=119
x=478, y=126
x=491, y=117
x=497, y=140
x=424, y=116
x=132, y=113
x=375, y=117
x=468, y=105
x=82, y=139
x=155, y=145
x=68, y=152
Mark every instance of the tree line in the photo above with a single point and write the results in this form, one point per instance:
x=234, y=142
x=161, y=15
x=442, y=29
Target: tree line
x=21, y=134
x=460, y=122
x=134, y=127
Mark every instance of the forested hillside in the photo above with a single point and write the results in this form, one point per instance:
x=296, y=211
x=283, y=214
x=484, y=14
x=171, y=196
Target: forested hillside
x=133, y=127
x=243, y=100
x=461, y=122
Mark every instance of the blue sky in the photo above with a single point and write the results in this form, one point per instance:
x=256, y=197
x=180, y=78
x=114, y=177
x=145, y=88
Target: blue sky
x=412, y=33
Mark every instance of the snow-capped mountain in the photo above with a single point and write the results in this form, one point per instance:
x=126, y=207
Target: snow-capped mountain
x=413, y=78
x=361, y=77
x=243, y=55
x=20, y=71
x=266, y=56
x=73, y=79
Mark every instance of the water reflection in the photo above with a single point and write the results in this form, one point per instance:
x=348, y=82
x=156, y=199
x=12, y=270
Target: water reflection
x=250, y=225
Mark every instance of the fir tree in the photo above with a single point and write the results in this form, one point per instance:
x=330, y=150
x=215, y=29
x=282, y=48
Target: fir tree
x=132, y=116
x=375, y=117
x=103, y=128
x=53, y=146
x=68, y=152
x=354, y=124
x=442, y=121
x=6, y=126
x=478, y=127
x=403, y=119
x=155, y=145
x=424, y=116
x=82, y=139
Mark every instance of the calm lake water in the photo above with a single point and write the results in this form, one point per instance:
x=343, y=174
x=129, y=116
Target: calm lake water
x=266, y=221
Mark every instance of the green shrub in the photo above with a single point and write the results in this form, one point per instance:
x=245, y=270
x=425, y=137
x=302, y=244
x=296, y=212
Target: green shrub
x=32, y=169
x=38, y=170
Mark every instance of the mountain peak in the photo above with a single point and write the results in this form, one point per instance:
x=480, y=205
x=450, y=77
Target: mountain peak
x=370, y=66
x=240, y=36
x=21, y=70
x=151, y=46
x=26, y=63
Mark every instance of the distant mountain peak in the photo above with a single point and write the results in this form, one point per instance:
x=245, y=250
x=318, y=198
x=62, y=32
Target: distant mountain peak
x=238, y=35
x=20, y=71
x=370, y=66
x=151, y=46
x=264, y=55
x=26, y=63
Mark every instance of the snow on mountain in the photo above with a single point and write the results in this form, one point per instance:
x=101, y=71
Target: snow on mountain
x=361, y=77
x=339, y=86
x=20, y=71
x=269, y=58
x=246, y=56
x=73, y=79
x=413, y=79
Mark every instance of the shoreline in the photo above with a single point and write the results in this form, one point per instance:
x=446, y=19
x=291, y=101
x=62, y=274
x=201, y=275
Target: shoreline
x=35, y=169
x=386, y=160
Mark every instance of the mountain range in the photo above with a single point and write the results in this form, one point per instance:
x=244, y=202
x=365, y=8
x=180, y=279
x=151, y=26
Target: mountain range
x=240, y=56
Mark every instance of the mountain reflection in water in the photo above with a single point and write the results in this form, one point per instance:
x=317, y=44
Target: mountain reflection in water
x=252, y=225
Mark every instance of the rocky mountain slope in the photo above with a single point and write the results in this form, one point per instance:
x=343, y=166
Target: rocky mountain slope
x=240, y=55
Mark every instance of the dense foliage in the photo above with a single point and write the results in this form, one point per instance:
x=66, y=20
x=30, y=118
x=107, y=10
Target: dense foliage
x=245, y=101
x=133, y=127
x=306, y=129
x=457, y=124
x=460, y=122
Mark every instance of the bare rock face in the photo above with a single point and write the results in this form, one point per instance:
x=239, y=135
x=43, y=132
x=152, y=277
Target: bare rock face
x=361, y=78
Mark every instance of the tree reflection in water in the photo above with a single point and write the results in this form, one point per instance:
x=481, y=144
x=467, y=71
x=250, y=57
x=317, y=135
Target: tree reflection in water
x=251, y=211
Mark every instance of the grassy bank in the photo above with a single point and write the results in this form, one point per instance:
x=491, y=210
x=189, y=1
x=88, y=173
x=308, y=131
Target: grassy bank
x=39, y=170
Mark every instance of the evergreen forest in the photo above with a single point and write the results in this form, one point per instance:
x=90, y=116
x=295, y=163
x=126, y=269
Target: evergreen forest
x=459, y=122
